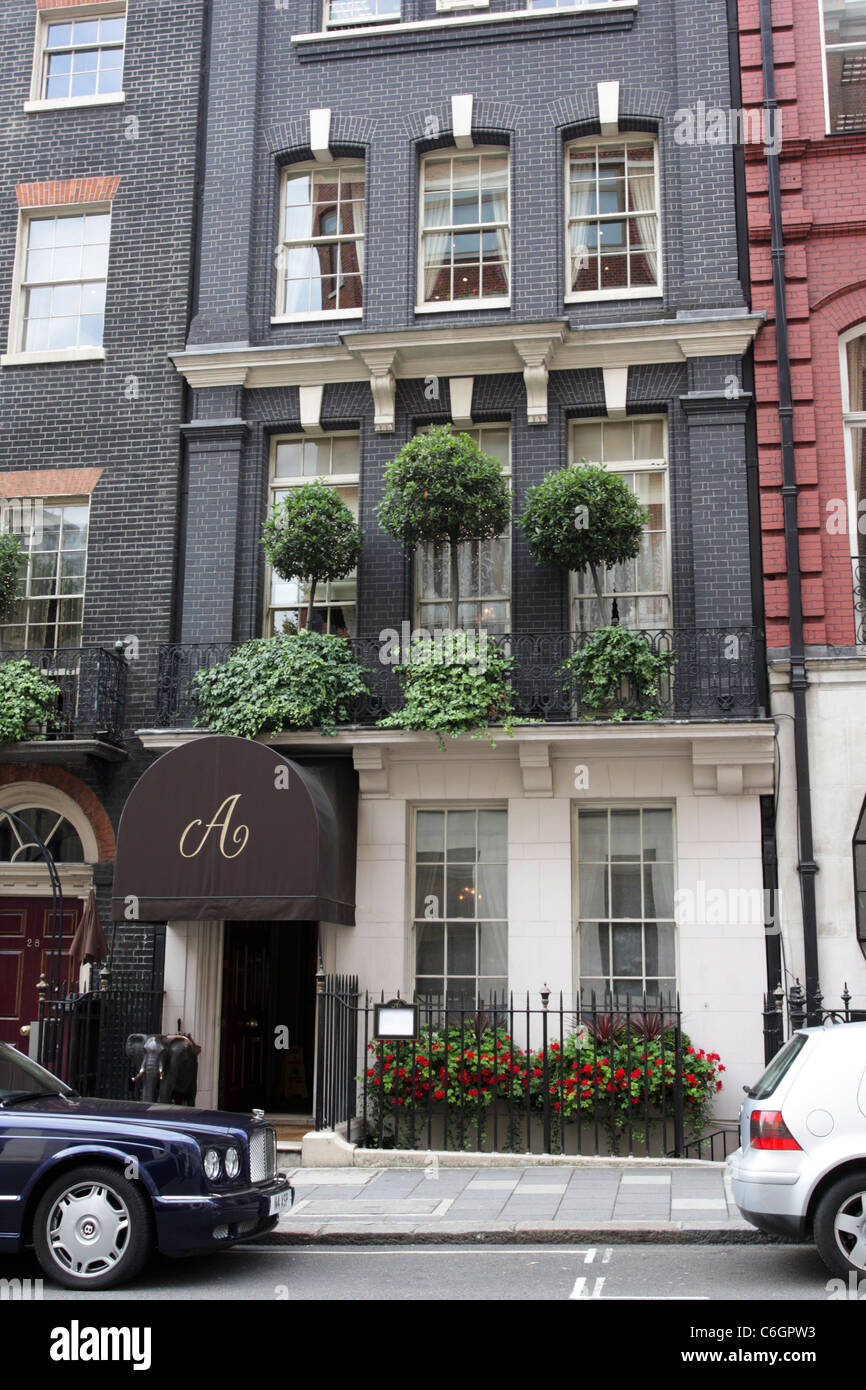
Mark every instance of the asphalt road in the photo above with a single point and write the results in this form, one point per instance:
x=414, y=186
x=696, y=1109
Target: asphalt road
x=492, y=1273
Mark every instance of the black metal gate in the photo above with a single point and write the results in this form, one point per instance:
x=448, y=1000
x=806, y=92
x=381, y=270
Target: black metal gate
x=82, y=1037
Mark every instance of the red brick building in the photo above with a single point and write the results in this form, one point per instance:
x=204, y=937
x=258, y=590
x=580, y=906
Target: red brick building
x=818, y=62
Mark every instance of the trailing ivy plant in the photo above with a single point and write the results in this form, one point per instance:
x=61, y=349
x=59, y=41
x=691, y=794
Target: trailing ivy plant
x=454, y=685
x=615, y=668
x=12, y=561
x=441, y=489
x=27, y=699
x=311, y=535
x=583, y=518
x=296, y=681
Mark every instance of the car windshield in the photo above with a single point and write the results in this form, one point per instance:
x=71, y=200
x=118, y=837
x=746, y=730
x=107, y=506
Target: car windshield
x=20, y=1076
x=778, y=1067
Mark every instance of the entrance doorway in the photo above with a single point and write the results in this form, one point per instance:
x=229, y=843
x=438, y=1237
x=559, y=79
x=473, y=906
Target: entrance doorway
x=25, y=949
x=268, y=1016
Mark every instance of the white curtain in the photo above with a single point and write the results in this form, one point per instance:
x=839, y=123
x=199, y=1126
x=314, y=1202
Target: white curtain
x=581, y=198
x=642, y=195
x=358, y=220
x=499, y=202
x=437, y=213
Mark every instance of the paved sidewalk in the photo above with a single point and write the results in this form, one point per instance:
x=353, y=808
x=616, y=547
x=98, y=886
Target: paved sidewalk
x=438, y=1204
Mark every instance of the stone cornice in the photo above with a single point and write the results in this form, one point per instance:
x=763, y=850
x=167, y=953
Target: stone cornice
x=530, y=349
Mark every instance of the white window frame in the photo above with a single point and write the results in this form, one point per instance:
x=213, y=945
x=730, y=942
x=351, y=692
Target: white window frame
x=315, y=314
x=337, y=480
x=837, y=48
x=100, y=9
x=61, y=501
x=851, y=420
x=599, y=142
x=576, y=808
x=460, y=306
x=15, y=355
x=649, y=466
x=412, y=918
x=332, y=24
x=506, y=536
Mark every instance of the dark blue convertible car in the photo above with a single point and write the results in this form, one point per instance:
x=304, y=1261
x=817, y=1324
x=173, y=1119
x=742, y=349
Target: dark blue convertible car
x=96, y=1185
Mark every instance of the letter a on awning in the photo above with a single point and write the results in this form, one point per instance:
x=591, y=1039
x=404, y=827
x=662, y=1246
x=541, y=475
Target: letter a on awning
x=225, y=827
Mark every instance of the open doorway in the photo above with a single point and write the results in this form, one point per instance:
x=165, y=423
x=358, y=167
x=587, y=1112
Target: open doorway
x=268, y=1017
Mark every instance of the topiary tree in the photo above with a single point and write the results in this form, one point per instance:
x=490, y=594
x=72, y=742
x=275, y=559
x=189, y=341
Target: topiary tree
x=442, y=489
x=583, y=518
x=11, y=558
x=311, y=535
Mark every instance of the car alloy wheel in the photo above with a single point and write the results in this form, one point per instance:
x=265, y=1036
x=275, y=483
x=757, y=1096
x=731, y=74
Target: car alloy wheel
x=840, y=1225
x=92, y=1229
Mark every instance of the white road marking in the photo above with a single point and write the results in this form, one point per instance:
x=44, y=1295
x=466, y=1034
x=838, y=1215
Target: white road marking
x=589, y=1256
x=605, y=1259
x=580, y=1289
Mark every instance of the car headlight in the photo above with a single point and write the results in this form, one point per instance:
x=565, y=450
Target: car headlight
x=211, y=1165
x=233, y=1163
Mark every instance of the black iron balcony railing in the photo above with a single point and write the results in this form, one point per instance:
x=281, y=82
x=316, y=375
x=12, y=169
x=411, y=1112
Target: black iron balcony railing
x=92, y=691
x=858, y=565
x=714, y=676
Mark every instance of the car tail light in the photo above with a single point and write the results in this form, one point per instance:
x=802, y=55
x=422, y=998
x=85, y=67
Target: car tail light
x=767, y=1130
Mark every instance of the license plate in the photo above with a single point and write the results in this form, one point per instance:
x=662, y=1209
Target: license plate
x=280, y=1202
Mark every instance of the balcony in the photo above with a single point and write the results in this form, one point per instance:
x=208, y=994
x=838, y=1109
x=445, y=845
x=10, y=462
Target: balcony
x=858, y=566
x=90, y=707
x=715, y=677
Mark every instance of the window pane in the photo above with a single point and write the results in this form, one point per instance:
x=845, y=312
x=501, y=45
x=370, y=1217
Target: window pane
x=594, y=949
x=625, y=834
x=492, y=836
x=625, y=890
x=592, y=890
x=593, y=836
x=429, y=895
x=461, y=836
x=492, y=890
x=658, y=890
x=430, y=836
x=658, y=835
x=627, y=950
x=494, y=949
x=660, y=949
x=461, y=949
x=430, y=948
x=460, y=890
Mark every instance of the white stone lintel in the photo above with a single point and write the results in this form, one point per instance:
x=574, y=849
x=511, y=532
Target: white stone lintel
x=460, y=389
x=608, y=107
x=461, y=120
x=320, y=135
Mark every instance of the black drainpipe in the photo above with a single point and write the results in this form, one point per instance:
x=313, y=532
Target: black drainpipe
x=806, y=867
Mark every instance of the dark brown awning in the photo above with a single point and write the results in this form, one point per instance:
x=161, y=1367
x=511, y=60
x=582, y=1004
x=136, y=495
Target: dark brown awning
x=227, y=828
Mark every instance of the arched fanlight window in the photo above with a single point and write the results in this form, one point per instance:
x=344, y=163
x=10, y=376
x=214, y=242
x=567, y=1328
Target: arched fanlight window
x=57, y=833
x=860, y=877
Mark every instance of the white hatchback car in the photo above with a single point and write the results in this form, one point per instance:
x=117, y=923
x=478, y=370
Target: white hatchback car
x=801, y=1167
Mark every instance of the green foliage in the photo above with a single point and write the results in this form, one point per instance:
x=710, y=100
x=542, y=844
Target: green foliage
x=441, y=488
x=27, y=698
x=622, y=1081
x=454, y=685
x=617, y=674
x=311, y=535
x=11, y=559
x=289, y=682
x=583, y=518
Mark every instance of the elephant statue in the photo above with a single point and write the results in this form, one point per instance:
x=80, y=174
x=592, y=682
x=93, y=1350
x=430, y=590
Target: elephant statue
x=167, y=1066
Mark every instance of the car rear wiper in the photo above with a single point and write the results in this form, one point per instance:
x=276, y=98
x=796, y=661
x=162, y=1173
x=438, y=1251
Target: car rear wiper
x=17, y=1096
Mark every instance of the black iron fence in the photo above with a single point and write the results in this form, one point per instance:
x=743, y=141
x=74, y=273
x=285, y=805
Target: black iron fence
x=785, y=1012
x=713, y=675
x=858, y=565
x=510, y=1076
x=82, y=1038
x=91, y=684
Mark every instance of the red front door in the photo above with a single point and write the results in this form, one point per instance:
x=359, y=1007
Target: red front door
x=25, y=948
